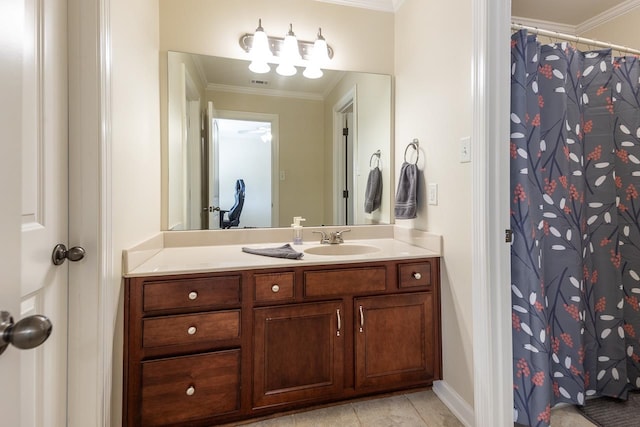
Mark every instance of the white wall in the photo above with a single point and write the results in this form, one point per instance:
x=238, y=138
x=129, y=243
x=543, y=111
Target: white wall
x=433, y=103
x=623, y=30
x=135, y=148
x=362, y=39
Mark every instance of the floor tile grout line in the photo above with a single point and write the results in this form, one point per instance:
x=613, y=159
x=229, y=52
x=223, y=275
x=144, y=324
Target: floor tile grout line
x=424, y=422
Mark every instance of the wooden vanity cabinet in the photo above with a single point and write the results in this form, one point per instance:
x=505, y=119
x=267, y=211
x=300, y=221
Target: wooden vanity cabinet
x=214, y=348
x=394, y=340
x=298, y=352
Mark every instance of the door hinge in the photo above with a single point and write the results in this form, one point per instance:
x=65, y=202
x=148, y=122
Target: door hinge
x=345, y=194
x=508, y=235
x=345, y=131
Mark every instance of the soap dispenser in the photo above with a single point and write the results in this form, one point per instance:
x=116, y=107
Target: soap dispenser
x=297, y=230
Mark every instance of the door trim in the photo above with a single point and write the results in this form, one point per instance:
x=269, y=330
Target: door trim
x=92, y=299
x=349, y=98
x=493, y=393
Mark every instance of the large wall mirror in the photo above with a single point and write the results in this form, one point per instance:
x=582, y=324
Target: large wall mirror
x=245, y=150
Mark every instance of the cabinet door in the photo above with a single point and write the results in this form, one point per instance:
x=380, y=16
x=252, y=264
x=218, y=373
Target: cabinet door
x=298, y=353
x=394, y=340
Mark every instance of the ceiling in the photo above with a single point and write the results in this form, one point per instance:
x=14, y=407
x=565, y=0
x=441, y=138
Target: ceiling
x=570, y=12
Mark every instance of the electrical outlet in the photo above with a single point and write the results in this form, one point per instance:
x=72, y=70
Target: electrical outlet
x=432, y=194
x=465, y=150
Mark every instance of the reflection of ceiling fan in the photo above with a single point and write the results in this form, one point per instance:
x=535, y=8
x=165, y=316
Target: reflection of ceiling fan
x=259, y=130
x=263, y=131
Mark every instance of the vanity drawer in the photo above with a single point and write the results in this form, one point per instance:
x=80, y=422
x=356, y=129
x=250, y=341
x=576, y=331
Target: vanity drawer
x=188, y=388
x=273, y=286
x=191, y=293
x=414, y=275
x=190, y=329
x=344, y=281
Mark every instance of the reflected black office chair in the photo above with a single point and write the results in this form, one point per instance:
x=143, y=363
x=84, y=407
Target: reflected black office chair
x=233, y=217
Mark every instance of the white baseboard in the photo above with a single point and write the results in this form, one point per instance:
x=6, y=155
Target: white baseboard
x=456, y=404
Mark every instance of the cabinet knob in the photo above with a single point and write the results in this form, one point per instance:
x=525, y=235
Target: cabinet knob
x=417, y=276
x=192, y=330
x=191, y=390
x=193, y=295
x=275, y=288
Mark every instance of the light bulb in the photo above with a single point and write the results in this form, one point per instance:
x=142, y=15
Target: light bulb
x=259, y=67
x=312, y=72
x=286, y=69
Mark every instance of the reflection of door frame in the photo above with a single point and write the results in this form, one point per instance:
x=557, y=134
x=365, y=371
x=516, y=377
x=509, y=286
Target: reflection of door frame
x=348, y=99
x=192, y=161
x=275, y=152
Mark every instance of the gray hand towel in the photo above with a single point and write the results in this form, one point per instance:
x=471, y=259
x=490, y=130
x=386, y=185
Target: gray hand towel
x=407, y=193
x=373, y=192
x=285, y=251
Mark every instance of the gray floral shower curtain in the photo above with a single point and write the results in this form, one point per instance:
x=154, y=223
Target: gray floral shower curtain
x=575, y=214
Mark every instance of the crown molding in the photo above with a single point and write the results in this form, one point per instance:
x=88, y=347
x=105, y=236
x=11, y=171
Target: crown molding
x=545, y=25
x=379, y=5
x=607, y=16
x=264, y=92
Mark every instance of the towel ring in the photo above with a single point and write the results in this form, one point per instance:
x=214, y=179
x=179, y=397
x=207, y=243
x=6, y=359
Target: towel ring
x=375, y=156
x=415, y=144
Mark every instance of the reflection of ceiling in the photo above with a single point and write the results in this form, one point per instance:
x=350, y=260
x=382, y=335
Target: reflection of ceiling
x=234, y=75
x=229, y=128
x=570, y=12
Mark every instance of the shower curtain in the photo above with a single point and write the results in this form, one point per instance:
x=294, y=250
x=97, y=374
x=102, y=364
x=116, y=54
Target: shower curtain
x=575, y=216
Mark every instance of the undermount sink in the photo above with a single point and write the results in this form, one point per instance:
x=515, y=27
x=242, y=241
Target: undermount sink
x=342, y=249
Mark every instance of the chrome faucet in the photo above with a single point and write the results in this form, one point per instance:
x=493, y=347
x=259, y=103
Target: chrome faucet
x=333, y=238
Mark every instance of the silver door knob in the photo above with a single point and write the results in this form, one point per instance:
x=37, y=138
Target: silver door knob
x=60, y=253
x=28, y=333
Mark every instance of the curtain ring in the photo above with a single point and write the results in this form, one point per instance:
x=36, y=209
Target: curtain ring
x=415, y=144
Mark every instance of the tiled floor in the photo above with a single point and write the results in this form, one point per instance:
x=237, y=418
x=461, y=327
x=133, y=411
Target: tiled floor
x=418, y=408
x=414, y=409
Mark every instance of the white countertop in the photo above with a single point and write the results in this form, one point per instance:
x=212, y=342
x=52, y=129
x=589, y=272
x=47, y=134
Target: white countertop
x=162, y=255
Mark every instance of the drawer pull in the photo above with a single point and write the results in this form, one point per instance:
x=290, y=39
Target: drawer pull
x=417, y=276
x=193, y=295
x=275, y=288
x=191, y=390
x=192, y=330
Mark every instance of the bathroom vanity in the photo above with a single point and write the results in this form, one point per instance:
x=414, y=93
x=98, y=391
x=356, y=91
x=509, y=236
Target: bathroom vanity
x=264, y=335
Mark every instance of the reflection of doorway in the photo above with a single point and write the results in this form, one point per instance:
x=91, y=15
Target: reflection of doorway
x=247, y=147
x=345, y=142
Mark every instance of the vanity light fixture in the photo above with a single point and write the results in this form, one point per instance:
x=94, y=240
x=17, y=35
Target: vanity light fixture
x=287, y=52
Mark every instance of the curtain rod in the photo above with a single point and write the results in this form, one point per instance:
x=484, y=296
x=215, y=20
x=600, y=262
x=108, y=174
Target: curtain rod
x=577, y=39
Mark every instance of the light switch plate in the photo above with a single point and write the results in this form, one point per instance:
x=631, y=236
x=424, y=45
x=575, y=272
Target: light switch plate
x=432, y=194
x=465, y=150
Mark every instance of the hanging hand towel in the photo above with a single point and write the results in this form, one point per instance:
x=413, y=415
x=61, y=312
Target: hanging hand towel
x=373, y=193
x=285, y=251
x=407, y=192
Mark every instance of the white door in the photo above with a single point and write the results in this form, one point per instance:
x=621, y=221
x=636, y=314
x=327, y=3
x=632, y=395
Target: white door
x=11, y=27
x=34, y=128
x=213, y=174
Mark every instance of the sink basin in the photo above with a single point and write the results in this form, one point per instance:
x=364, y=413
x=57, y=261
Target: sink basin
x=342, y=249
